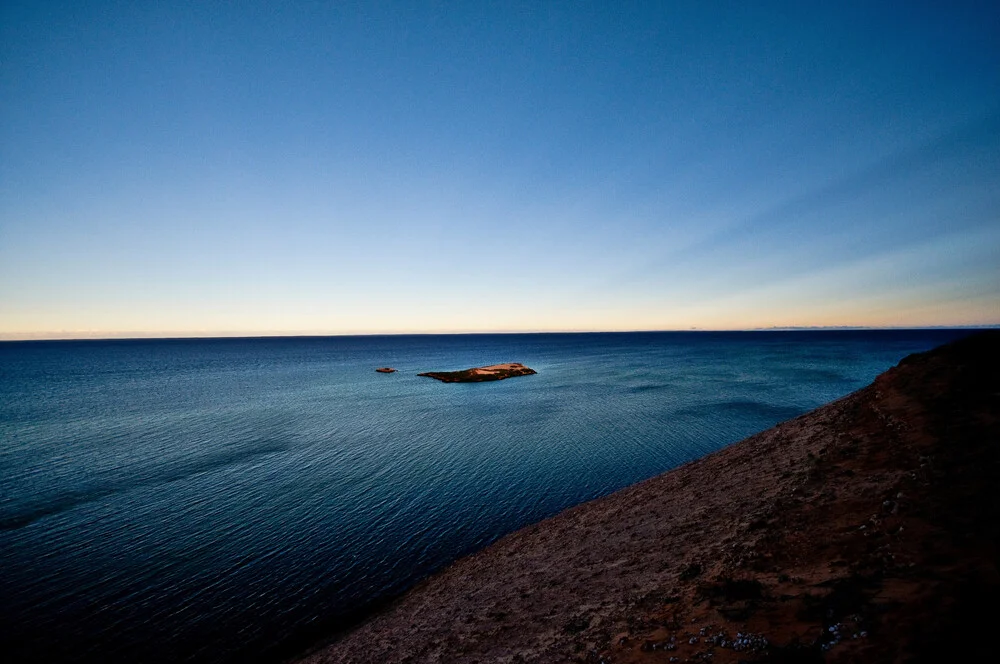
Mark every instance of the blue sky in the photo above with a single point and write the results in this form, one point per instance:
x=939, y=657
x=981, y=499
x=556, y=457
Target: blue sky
x=259, y=168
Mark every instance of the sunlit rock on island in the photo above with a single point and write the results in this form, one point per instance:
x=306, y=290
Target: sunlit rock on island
x=481, y=374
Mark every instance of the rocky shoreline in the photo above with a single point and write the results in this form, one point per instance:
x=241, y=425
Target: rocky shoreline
x=866, y=530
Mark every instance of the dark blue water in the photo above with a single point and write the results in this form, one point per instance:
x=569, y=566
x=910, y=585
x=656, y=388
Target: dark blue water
x=222, y=499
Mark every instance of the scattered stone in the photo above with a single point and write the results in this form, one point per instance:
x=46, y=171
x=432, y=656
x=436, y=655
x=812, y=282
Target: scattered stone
x=690, y=572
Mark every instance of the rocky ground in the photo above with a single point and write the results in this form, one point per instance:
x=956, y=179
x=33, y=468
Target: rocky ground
x=866, y=530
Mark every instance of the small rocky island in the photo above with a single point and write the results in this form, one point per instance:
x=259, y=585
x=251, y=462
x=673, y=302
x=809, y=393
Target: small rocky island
x=386, y=370
x=481, y=374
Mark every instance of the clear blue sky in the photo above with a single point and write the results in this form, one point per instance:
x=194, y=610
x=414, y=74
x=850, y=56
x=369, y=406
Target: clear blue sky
x=312, y=167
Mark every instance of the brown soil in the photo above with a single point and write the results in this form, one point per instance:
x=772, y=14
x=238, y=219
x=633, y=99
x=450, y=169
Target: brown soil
x=864, y=531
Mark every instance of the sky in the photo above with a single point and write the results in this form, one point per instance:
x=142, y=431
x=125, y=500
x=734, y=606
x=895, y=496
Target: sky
x=217, y=168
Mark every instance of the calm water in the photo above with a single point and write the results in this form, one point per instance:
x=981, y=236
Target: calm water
x=209, y=500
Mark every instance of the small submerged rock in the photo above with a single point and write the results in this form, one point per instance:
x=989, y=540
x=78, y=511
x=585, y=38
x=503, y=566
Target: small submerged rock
x=386, y=370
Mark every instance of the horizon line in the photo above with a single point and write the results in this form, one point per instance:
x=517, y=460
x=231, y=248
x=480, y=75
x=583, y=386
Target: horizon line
x=154, y=336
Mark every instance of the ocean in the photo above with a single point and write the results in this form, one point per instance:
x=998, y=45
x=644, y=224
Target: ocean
x=215, y=500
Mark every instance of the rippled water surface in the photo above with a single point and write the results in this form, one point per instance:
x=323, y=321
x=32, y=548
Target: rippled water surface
x=233, y=499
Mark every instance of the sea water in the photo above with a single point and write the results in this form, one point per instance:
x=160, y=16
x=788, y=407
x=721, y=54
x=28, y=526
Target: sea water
x=237, y=499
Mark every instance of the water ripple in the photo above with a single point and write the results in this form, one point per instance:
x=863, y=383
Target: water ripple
x=229, y=500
